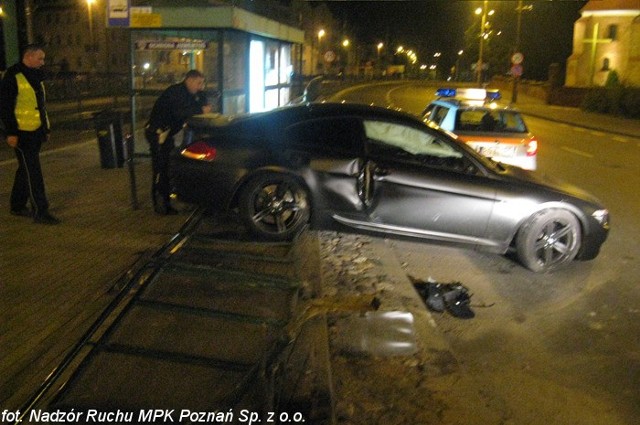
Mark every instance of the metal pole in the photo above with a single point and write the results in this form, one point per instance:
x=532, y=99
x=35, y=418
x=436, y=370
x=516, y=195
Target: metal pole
x=516, y=78
x=129, y=155
x=28, y=15
x=482, y=25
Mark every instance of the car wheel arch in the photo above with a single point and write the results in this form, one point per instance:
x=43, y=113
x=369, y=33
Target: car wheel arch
x=556, y=209
x=249, y=177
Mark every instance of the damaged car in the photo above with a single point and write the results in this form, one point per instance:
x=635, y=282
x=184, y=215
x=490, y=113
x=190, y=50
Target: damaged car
x=379, y=171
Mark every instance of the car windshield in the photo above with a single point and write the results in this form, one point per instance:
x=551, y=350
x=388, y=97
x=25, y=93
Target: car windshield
x=488, y=120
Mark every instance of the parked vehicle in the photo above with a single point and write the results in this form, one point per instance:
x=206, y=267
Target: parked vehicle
x=497, y=132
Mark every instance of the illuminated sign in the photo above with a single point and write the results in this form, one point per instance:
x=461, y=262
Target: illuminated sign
x=171, y=45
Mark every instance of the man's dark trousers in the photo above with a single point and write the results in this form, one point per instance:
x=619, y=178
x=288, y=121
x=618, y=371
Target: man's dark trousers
x=29, y=184
x=160, y=157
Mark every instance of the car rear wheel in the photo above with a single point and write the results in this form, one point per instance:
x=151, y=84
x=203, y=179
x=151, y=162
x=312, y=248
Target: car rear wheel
x=275, y=206
x=550, y=239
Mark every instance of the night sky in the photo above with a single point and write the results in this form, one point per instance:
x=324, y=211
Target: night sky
x=430, y=26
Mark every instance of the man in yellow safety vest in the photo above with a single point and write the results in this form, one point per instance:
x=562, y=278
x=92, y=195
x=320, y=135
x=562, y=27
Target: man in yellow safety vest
x=26, y=126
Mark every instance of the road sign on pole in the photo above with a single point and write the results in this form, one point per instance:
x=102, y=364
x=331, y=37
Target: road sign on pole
x=517, y=58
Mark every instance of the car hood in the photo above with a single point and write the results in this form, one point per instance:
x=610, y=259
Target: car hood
x=544, y=181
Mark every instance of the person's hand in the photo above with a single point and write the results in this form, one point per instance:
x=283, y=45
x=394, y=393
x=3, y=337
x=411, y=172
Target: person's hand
x=206, y=109
x=12, y=141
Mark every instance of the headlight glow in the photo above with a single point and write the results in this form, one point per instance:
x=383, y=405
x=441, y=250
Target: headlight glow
x=602, y=217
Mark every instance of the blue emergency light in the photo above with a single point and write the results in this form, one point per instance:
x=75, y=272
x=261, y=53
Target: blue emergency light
x=493, y=95
x=470, y=94
x=446, y=92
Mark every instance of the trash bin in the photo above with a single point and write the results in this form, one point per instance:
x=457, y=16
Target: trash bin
x=109, y=133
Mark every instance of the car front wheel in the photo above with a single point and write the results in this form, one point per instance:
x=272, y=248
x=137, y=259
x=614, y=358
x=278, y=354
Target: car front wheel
x=275, y=206
x=550, y=239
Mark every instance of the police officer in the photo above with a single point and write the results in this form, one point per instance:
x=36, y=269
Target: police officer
x=168, y=116
x=24, y=115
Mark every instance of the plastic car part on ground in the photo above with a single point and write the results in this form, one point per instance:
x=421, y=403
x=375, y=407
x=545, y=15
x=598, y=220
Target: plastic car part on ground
x=453, y=297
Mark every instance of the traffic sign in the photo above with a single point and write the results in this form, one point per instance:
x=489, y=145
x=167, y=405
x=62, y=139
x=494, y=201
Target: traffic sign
x=329, y=56
x=516, y=70
x=517, y=58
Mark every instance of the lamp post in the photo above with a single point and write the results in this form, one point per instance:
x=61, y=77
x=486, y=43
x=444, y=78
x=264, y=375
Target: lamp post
x=516, y=48
x=321, y=33
x=483, y=36
x=28, y=15
x=90, y=15
x=345, y=44
x=460, y=52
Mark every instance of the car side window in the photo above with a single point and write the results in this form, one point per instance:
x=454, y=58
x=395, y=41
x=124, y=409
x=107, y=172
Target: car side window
x=512, y=122
x=440, y=114
x=327, y=135
x=422, y=145
x=428, y=111
x=484, y=120
x=435, y=113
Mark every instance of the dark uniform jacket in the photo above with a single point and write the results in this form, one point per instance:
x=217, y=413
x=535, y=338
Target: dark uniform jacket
x=9, y=94
x=173, y=107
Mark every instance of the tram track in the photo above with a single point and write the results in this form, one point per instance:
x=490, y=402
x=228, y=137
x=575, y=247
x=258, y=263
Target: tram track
x=201, y=325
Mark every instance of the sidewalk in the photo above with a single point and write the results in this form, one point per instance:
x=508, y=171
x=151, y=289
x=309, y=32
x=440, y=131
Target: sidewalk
x=575, y=116
x=55, y=280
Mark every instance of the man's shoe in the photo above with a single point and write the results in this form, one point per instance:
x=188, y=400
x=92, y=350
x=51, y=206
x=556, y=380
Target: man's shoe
x=45, y=218
x=164, y=209
x=22, y=212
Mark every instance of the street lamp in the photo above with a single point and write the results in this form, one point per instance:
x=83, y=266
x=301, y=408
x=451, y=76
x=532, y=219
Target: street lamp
x=460, y=52
x=321, y=33
x=378, y=48
x=516, y=48
x=483, y=36
x=345, y=44
x=89, y=3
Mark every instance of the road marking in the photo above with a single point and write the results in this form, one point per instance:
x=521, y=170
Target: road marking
x=577, y=152
x=620, y=139
x=597, y=133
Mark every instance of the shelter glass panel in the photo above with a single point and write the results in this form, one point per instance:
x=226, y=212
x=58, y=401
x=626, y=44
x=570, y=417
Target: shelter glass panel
x=235, y=67
x=163, y=57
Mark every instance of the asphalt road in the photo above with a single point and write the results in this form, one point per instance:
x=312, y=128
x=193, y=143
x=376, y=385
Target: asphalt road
x=553, y=348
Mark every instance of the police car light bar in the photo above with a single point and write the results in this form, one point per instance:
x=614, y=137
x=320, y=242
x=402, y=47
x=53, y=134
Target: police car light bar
x=493, y=95
x=470, y=94
x=446, y=92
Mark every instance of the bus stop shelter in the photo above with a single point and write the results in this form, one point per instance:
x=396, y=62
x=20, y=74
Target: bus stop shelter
x=248, y=60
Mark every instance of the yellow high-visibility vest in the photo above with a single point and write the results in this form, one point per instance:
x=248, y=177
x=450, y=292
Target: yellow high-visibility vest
x=26, y=111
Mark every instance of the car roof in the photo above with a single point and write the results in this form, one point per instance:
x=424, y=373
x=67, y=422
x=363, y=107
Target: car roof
x=306, y=111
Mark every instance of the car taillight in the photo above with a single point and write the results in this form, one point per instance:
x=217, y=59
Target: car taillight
x=201, y=151
x=532, y=148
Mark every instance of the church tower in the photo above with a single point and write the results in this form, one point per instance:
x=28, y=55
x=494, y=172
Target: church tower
x=605, y=38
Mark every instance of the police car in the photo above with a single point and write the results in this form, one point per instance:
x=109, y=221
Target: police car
x=495, y=131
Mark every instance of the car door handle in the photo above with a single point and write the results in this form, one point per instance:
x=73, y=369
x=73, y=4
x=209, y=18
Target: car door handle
x=380, y=171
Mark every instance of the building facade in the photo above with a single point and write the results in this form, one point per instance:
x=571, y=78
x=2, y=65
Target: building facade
x=606, y=38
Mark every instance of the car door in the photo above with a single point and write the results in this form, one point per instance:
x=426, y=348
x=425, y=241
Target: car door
x=423, y=185
x=329, y=152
